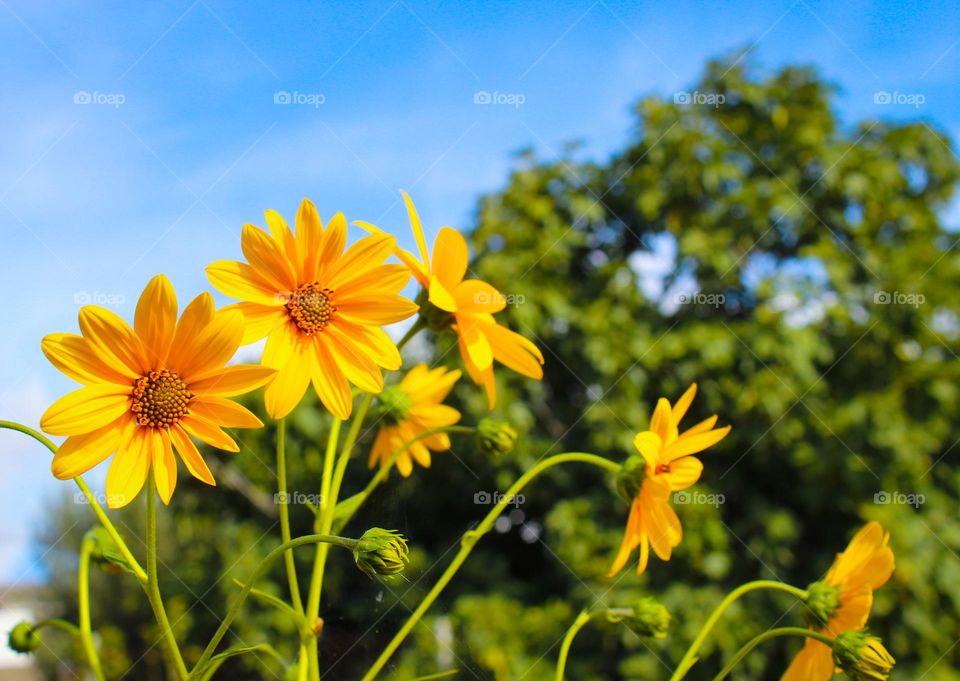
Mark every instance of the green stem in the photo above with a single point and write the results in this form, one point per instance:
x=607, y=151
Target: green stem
x=258, y=574
x=386, y=467
x=291, y=566
x=57, y=623
x=689, y=658
x=417, y=327
x=153, y=584
x=83, y=604
x=766, y=636
x=470, y=539
x=577, y=625
x=91, y=499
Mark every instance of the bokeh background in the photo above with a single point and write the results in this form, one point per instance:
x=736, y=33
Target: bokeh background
x=759, y=196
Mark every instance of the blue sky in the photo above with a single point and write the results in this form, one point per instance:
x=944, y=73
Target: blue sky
x=137, y=138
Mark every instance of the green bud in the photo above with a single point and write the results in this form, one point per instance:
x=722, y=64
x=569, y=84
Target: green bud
x=381, y=553
x=648, y=618
x=823, y=601
x=495, y=437
x=437, y=320
x=862, y=656
x=630, y=477
x=104, y=551
x=24, y=638
x=393, y=405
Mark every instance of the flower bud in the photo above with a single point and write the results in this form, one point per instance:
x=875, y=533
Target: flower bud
x=862, y=656
x=104, y=551
x=24, y=638
x=393, y=405
x=630, y=477
x=495, y=437
x=648, y=618
x=823, y=601
x=381, y=553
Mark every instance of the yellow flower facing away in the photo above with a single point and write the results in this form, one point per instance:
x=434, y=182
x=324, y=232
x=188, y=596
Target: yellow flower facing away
x=668, y=466
x=147, y=390
x=843, y=599
x=470, y=303
x=320, y=307
x=412, y=408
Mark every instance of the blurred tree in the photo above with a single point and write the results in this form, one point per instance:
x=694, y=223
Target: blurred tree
x=797, y=268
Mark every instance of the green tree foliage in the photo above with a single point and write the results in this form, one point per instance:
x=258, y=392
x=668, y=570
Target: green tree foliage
x=806, y=282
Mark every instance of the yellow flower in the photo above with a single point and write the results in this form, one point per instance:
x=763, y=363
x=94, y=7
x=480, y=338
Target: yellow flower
x=470, y=304
x=667, y=467
x=147, y=390
x=319, y=307
x=412, y=408
x=866, y=565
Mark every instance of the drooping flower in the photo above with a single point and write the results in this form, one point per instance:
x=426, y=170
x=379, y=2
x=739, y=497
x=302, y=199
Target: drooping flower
x=842, y=600
x=862, y=656
x=410, y=409
x=466, y=306
x=319, y=307
x=147, y=390
x=667, y=465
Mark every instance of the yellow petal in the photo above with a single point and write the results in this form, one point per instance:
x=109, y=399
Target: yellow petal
x=376, y=308
x=130, y=466
x=381, y=279
x=441, y=296
x=649, y=445
x=631, y=538
x=210, y=349
x=691, y=444
x=680, y=408
x=258, y=320
x=309, y=239
x=513, y=350
x=450, y=257
x=478, y=296
x=286, y=390
x=231, y=381
x=194, y=319
x=224, y=412
x=283, y=236
x=113, y=341
x=371, y=251
x=331, y=384
x=209, y=432
x=374, y=341
x=80, y=453
x=72, y=355
x=239, y=280
x=190, y=455
x=86, y=409
x=156, y=318
x=356, y=365
x=660, y=422
x=813, y=663
x=267, y=259
x=683, y=472
x=476, y=343
x=164, y=468
x=417, y=228
x=334, y=241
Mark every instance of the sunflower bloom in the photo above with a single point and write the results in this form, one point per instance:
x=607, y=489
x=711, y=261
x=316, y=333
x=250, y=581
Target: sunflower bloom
x=319, y=307
x=468, y=305
x=147, y=390
x=666, y=466
x=841, y=602
x=411, y=409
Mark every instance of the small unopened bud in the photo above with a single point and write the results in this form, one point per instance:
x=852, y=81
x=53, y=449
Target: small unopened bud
x=24, y=638
x=630, y=477
x=496, y=437
x=823, y=602
x=647, y=617
x=862, y=656
x=104, y=551
x=381, y=553
x=393, y=405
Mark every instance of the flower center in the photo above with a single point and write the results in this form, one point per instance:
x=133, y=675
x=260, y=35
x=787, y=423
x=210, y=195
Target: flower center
x=663, y=468
x=160, y=399
x=310, y=308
